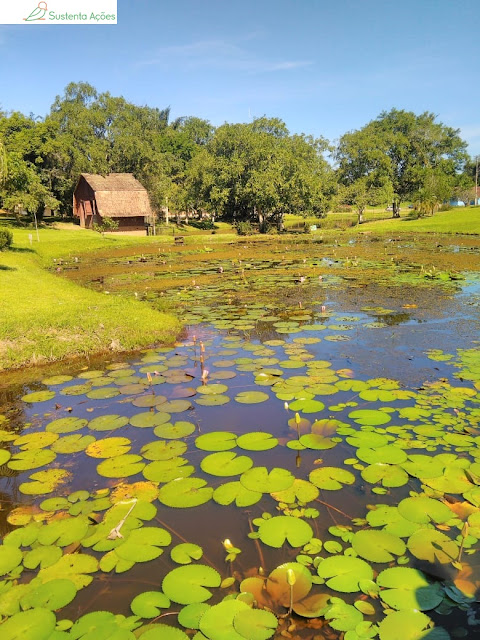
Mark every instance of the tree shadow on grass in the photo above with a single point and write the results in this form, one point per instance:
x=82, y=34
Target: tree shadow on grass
x=3, y=267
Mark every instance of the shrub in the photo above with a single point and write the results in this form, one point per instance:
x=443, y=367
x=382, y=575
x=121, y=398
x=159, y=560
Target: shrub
x=244, y=228
x=108, y=224
x=343, y=208
x=445, y=207
x=6, y=239
x=203, y=224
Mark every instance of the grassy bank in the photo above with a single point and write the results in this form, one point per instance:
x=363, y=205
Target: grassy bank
x=45, y=317
x=457, y=220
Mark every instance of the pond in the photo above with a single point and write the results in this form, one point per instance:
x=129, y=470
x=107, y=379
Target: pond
x=303, y=463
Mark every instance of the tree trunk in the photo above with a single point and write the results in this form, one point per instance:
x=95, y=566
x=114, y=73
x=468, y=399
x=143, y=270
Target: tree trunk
x=261, y=219
x=360, y=216
x=396, y=209
x=280, y=224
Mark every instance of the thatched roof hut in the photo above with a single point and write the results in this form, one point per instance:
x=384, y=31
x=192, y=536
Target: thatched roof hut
x=118, y=196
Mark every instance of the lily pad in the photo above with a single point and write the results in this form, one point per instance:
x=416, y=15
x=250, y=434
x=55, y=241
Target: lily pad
x=277, y=530
x=107, y=423
x=121, y=466
x=279, y=585
x=225, y=463
x=38, y=396
x=343, y=573
x=369, y=417
x=216, y=441
x=66, y=425
x=331, y=478
x=423, y=510
x=149, y=604
x=261, y=480
x=52, y=595
x=185, y=492
x=235, y=492
x=255, y=624
x=377, y=546
x=189, y=583
x=433, y=546
x=405, y=588
x=251, y=397
x=35, y=624
x=257, y=441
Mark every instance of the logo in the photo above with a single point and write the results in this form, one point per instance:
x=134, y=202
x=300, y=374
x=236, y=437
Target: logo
x=38, y=13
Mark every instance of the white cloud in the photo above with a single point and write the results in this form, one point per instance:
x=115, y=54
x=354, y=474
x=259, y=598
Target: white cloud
x=217, y=54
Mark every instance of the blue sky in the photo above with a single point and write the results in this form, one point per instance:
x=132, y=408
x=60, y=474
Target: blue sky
x=324, y=66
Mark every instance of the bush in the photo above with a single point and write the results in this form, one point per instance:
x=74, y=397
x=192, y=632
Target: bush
x=108, y=224
x=203, y=224
x=6, y=239
x=244, y=228
x=343, y=208
x=445, y=207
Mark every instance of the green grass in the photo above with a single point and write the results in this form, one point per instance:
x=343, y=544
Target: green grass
x=456, y=220
x=47, y=318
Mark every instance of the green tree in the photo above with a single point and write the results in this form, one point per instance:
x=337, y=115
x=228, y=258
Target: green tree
x=399, y=146
x=362, y=193
x=436, y=187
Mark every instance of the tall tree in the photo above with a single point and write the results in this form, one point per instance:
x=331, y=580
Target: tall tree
x=399, y=146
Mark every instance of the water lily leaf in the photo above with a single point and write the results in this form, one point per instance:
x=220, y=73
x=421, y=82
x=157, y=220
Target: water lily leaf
x=251, y=397
x=184, y=493
x=369, y=417
x=167, y=470
x=188, y=584
x=275, y=531
x=31, y=459
x=149, y=604
x=10, y=557
x=377, y=546
x=432, y=545
x=108, y=447
x=176, y=406
x=405, y=588
x=121, y=466
x=148, y=419
x=143, y=545
x=390, y=519
x=225, y=463
x=257, y=441
x=307, y=406
x=235, y=492
x=64, y=532
x=38, y=396
x=54, y=380
x=261, y=480
x=189, y=617
x=301, y=490
x=103, y=393
x=331, y=478
x=216, y=441
x=421, y=466
x=317, y=442
x=423, y=510
x=99, y=624
x=212, y=389
x=42, y=557
x=278, y=585
x=369, y=439
x=44, y=481
x=35, y=624
x=389, y=475
x=343, y=573
x=74, y=567
x=143, y=491
x=217, y=622
x=52, y=595
x=453, y=480
x=411, y=623
x=76, y=389
x=38, y=440
x=255, y=624
x=180, y=429
x=185, y=552
x=72, y=443
x=212, y=400
x=163, y=449
x=389, y=454
x=311, y=606
x=342, y=616
x=4, y=456
x=107, y=423
x=163, y=632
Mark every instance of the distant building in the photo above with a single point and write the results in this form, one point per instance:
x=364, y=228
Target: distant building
x=455, y=202
x=118, y=196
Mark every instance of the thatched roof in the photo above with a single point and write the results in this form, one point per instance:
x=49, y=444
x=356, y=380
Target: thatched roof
x=119, y=195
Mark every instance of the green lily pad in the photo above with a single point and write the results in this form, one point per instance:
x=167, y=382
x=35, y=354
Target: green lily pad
x=107, y=423
x=255, y=624
x=143, y=545
x=168, y=470
x=331, y=478
x=225, y=463
x=369, y=417
x=108, y=447
x=189, y=617
x=432, y=545
x=411, y=623
x=342, y=616
x=261, y=480
x=38, y=396
x=54, y=380
x=185, y=552
x=235, y=492
x=52, y=595
x=103, y=393
x=180, y=429
x=66, y=425
x=31, y=459
x=212, y=400
x=389, y=475
x=405, y=588
x=185, y=492
x=64, y=532
x=343, y=573
x=188, y=584
x=377, y=546
x=257, y=441
x=163, y=449
x=148, y=419
x=311, y=606
x=423, y=510
x=10, y=557
x=35, y=624
x=212, y=389
x=217, y=622
x=149, y=604
x=251, y=397
x=43, y=556
x=307, y=406
x=301, y=490
x=72, y=443
x=44, y=482
x=317, y=442
x=278, y=585
x=388, y=454
x=216, y=441
x=74, y=567
x=121, y=466
x=277, y=530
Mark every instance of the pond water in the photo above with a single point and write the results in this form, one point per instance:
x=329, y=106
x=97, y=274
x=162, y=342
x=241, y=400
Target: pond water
x=303, y=463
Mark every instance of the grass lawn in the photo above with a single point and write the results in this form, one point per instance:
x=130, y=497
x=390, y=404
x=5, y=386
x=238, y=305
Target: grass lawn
x=456, y=220
x=46, y=318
